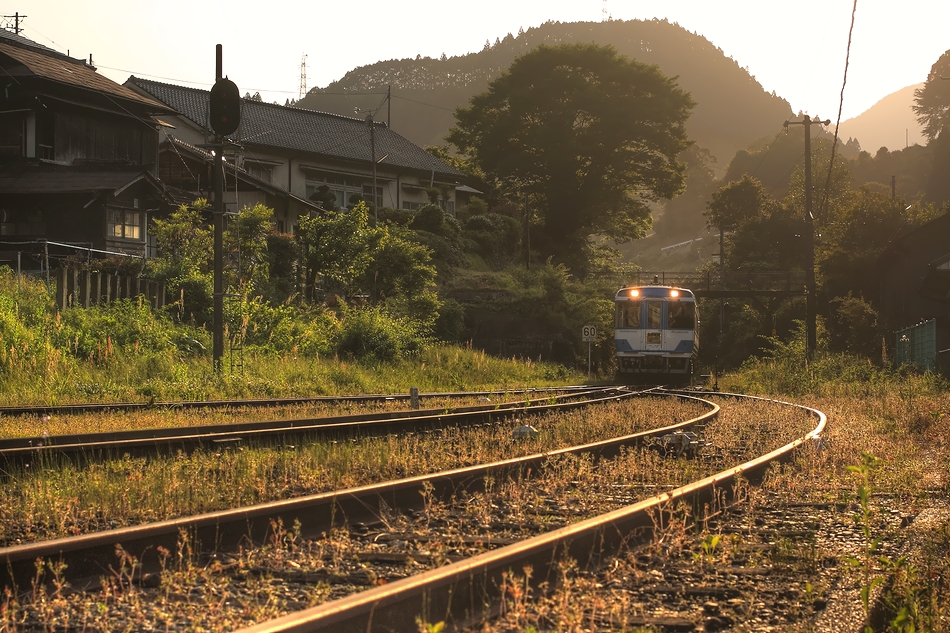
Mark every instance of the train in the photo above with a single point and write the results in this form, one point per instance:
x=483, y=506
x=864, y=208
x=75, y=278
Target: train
x=656, y=334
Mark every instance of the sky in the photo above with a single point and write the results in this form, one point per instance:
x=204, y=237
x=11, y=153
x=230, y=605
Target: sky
x=796, y=49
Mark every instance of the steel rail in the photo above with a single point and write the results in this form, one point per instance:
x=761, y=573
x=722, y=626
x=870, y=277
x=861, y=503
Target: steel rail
x=151, y=441
x=88, y=556
x=98, y=407
x=466, y=592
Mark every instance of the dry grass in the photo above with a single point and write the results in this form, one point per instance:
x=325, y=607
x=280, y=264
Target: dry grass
x=59, y=499
x=230, y=592
x=171, y=417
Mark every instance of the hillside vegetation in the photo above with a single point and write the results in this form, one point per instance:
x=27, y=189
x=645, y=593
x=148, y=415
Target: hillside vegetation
x=732, y=110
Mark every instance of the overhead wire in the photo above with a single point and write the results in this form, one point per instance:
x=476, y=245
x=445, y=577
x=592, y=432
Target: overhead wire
x=790, y=171
x=766, y=153
x=834, y=145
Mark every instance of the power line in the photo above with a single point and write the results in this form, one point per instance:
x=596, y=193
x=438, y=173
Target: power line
x=16, y=17
x=431, y=105
x=766, y=154
x=834, y=145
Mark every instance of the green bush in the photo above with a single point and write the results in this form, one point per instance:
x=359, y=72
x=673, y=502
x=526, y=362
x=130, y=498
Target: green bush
x=372, y=334
x=497, y=238
x=451, y=322
x=399, y=217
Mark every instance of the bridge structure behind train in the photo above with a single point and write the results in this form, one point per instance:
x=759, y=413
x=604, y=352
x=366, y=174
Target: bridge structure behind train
x=721, y=285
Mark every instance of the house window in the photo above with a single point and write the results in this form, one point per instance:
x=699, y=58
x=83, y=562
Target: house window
x=411, y=206
x=124, y=224
x=261, y=171
x=368, y=194
x=12, y=135
x=23, y=223
x=345, y=189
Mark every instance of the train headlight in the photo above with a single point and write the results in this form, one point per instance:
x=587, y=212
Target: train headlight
x=634, y=293
x=674, y=293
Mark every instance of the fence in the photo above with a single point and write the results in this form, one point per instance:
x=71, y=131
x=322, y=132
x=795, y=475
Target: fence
x=85, y=288
x=917, y=345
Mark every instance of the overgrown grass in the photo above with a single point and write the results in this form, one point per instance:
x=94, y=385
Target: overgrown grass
x=60, y=498
x=899, y=415
x=125, y=352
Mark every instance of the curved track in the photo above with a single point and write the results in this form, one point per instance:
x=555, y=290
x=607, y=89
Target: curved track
x=467, y=592
x=88, y=556
x=460, y=593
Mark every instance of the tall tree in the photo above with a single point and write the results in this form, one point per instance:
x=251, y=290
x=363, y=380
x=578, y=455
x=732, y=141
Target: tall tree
x=932, y=102
x=590, y=135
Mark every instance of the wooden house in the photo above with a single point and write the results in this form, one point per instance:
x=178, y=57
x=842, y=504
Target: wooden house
x=78, y=158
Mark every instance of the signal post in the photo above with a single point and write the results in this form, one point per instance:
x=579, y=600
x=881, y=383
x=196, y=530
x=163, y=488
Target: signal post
x=224, y=117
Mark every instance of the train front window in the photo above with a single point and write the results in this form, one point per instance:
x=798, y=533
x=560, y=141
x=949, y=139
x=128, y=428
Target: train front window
x=682, y=315
x=628, y=314
x=654, y=314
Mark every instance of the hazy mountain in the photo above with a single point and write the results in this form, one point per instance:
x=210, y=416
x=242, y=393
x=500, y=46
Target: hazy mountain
x=888, y=123
x=732, y=110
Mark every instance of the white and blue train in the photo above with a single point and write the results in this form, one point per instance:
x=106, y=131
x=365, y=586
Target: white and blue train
x=656, y=334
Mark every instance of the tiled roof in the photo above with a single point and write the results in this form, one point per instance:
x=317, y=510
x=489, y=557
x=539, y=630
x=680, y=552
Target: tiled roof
x=20, y=57
x=15, y=38
x=288, y=128
x=21, y=178
x=179, y=144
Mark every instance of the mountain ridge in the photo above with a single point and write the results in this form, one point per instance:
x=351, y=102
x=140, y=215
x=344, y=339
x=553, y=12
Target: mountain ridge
x=732, y=111
x=884, y=124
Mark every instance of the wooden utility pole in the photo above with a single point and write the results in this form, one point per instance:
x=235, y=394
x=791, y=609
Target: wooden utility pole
x=811, y=322
x=16, y=17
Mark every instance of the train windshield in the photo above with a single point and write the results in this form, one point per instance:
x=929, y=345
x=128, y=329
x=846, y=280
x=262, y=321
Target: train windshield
x=628, y=314
x=682, y=315
x=654, y=314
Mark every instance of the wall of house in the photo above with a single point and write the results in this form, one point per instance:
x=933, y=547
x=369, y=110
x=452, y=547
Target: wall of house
x=69, y=135
x=301, y=176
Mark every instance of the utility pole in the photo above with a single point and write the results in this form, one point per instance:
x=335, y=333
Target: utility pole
x=527, y=233
x=16, y=17
x=389, y=106
x=811, y=323
x=372, y=153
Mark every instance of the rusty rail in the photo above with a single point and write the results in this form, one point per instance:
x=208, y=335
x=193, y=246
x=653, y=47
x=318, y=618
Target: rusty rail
x=88, y=556
x=469, y=591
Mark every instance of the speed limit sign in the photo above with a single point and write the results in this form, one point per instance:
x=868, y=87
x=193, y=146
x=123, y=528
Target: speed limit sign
x=589, y=334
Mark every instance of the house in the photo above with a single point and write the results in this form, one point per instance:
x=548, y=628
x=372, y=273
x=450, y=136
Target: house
x=185, y=170
x=78, y=158
x=300, y=150
x=915, y=280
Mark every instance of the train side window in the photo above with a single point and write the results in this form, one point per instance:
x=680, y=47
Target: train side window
x=682, y=315
x=628, y=314
x=654, y=314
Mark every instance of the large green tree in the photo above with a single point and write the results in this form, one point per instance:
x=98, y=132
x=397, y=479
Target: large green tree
x=932, y=102
x=590, y=136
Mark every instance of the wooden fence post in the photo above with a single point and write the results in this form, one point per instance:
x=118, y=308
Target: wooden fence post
x=74, y=287
x=86, y=288
x=61, y=288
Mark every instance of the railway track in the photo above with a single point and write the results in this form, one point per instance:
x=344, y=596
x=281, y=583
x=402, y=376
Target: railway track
x=95, y=446
x=67, y=409
x=460, y=589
